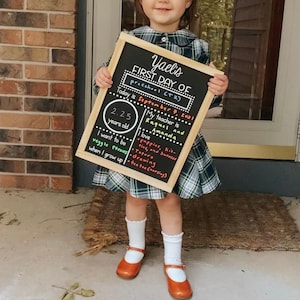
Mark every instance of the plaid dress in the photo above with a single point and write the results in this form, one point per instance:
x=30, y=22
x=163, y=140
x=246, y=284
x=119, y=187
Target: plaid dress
x=198, y=175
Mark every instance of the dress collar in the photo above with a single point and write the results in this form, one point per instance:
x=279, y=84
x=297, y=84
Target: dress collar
x=181, y=37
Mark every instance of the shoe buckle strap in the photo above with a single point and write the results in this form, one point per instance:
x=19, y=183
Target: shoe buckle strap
x=135, y=249
x=175, y=266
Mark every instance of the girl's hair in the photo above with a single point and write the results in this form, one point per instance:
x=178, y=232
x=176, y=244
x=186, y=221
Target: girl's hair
x=185, y=20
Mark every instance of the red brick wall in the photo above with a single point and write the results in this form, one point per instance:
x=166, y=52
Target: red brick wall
x=37, y=80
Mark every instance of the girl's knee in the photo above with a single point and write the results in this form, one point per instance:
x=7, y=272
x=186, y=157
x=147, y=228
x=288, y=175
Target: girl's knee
x=136, y=201
x=170, y=201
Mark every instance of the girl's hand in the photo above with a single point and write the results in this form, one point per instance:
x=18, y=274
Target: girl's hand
x=103, y=78
x=218, y=84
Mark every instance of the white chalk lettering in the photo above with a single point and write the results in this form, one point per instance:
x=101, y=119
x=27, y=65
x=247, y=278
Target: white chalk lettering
x=159, y=64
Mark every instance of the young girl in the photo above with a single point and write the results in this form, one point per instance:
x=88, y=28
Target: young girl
x=167, y=20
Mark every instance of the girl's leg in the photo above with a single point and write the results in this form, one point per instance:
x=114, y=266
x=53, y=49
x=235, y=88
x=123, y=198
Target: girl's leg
x=130, y=265
x=136, y=210
x=171, y=223
x=170, y=214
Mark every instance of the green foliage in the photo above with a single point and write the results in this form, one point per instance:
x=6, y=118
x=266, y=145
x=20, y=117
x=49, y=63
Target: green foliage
x=215, y=27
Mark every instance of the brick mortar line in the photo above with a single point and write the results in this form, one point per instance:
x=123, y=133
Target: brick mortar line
x=41, y=29
x=36, y=174
x=53, y=12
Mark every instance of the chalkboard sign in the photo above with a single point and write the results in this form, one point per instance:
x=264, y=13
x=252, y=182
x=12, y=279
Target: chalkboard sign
x=145, y=124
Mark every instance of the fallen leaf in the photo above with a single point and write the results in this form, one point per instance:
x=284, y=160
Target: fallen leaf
x=69, y=297
x=63, y=296
x=74, y=286
x=85, y=293
x=14, y=221
x=72, y=291
x=2, y=215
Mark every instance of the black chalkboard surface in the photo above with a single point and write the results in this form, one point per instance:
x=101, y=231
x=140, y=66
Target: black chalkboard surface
x=145, y=124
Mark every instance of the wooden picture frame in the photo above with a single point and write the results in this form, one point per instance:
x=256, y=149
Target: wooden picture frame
x=144, y=125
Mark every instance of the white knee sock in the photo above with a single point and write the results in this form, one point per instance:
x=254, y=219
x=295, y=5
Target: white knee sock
x=136, y=234
x=172, y=256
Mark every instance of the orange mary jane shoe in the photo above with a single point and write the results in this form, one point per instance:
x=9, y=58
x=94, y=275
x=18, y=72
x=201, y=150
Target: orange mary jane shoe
x=178, y=290
x=128, y=270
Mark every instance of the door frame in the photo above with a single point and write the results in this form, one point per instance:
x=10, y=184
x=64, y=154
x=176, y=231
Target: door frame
x=276, y=139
